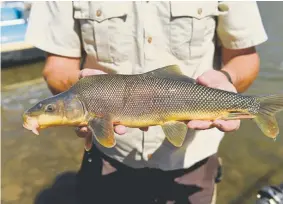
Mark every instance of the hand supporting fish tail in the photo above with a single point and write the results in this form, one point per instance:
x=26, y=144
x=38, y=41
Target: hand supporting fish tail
x=215, y=79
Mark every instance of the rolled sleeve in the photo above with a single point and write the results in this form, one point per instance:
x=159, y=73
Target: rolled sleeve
x=240, y=25
x=53, y=29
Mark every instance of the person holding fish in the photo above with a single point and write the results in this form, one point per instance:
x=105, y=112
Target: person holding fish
x=156, y=138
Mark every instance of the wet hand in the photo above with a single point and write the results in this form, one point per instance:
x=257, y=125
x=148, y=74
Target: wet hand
x=215, y=79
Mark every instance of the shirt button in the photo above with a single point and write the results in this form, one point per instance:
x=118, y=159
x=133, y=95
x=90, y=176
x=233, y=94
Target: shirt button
x=199, y=11
x=98, y=13
x=149, y=39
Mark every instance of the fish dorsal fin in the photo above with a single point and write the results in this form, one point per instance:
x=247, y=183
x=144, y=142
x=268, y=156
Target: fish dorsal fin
x=175, y=132
x=102, y=129
x=167, y=70
x=171, y=72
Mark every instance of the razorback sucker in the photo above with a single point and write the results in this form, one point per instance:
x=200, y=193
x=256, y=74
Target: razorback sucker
x=162, y=97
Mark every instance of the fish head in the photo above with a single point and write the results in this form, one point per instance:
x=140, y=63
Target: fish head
x=54, y=111
x=44, y=114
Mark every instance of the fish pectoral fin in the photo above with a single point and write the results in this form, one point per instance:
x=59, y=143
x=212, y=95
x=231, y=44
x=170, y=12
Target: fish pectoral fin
x=171, y=72
x=175, y=132
x=102, y=129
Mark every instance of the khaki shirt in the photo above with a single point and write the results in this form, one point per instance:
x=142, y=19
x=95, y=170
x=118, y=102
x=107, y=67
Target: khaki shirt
x=136, y=37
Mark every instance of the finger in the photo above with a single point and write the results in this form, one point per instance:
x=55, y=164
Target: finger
x=228, y=125
x=120, y=129
x=88, y=72
x=202, y=80
x=227, y=87
x=83, y=132
x=199, y=124
x=144, y=129
x=88, y=142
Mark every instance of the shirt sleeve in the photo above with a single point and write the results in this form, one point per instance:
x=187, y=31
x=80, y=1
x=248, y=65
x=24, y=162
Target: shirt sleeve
x=240, y=25
x=52, y=28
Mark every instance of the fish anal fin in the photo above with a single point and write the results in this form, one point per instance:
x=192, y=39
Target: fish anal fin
x=102, y=129
x=171, y=72
x=175, y=132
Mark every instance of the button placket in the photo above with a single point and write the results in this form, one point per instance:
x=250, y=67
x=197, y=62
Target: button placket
x=102, y=37
x=148, y=32
x=198, y=28
x=148, y=45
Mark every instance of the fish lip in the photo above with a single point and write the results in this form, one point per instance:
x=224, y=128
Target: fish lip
x=25, y=125
x=30, y=123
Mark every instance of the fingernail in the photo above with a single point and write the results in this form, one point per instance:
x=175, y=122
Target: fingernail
x=190, y=125
x=100, y=72
x=201, y=80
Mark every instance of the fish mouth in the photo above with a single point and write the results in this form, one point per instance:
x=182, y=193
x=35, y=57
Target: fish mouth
x=31, y=123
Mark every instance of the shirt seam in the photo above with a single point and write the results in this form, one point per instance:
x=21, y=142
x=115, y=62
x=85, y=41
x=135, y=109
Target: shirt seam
x=55, y=49
x=244, y=43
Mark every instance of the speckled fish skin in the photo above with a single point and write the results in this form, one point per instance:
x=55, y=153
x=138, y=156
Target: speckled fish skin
x=162, y=97
x=143, y=100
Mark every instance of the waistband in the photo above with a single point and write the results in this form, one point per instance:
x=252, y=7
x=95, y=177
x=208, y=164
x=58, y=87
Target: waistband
x=94, y=152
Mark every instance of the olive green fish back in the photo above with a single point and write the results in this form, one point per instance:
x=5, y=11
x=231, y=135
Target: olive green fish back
x=145, y=97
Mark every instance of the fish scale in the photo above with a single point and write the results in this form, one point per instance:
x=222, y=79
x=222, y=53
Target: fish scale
x=162, y=97
x=141, y=98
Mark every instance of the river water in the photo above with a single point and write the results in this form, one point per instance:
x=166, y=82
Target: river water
x=41, y=169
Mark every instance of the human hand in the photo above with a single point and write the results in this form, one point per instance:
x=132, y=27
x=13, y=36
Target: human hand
x=215, y=79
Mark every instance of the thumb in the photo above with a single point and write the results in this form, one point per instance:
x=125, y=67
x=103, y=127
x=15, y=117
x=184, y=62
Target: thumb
x=203, y=80
x=86, y=134
x=89, y=72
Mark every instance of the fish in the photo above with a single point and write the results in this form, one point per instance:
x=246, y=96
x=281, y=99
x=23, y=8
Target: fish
x=163, y=97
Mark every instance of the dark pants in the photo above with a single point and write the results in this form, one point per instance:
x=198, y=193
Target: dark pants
x=103, y=180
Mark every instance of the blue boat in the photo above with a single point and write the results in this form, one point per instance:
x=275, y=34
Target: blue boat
x=14, y=22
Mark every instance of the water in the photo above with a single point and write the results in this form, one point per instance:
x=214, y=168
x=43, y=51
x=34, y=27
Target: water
x=41, y=169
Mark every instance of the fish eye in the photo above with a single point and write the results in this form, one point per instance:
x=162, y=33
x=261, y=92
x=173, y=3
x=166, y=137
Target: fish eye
x=49, y=108
x=40, y=105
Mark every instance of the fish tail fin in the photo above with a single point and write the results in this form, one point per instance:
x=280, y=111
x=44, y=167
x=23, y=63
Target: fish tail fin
x=265, y=118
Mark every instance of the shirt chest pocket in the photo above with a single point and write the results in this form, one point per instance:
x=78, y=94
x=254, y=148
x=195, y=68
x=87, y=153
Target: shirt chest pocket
x=106, y=29
x=192, y=28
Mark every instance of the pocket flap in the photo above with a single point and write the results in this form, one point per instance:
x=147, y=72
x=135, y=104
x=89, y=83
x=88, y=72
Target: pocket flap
x=194, y=9
x=100, y=11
